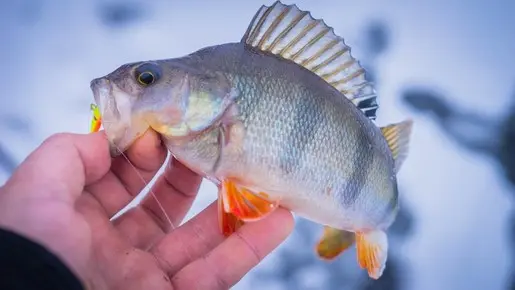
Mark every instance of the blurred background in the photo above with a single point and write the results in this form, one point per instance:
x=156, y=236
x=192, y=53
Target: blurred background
x=449, y=65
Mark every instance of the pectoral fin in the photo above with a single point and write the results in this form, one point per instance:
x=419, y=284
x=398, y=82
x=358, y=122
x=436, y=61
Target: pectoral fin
x=228, y=222
x=334, y=242
x=245, y=204
x=372, y=249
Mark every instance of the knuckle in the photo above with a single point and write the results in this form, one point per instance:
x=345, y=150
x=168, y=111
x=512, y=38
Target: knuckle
x=200, y=235
x=219, y=280
x=58, y=138
x=251, y=247
x=165, y=266
x=221, y=283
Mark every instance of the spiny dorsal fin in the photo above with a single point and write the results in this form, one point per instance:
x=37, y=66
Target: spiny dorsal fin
x=398, y=136
x=293, y=34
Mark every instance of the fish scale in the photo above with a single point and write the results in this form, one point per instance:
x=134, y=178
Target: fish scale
x=285, y=117
x=287, y=122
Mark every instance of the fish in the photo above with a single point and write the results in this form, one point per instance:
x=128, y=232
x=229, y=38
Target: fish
x=285, y=117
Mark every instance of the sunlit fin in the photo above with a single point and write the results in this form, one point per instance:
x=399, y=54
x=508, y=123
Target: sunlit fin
x=96, y=121
x=372, y=252
x=244, y=204
x=334, y=242
x=293, y=34
x=228, y=222
x=398, y=137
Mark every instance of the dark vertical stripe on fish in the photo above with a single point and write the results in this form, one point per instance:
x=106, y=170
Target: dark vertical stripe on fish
x=361, y=167
x=392, y=203
x=395, y=199
x=302, y=131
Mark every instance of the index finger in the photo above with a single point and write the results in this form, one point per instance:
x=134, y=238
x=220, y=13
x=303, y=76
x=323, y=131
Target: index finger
x=63, y=163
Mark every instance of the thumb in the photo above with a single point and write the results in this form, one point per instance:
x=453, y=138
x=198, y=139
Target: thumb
x=62, y=165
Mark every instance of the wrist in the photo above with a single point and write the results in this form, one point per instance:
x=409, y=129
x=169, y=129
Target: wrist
x=27, y=264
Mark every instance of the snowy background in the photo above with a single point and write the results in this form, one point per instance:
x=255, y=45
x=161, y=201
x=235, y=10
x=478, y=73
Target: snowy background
x=447, y=64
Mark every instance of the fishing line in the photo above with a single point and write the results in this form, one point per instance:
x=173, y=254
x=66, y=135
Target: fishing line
x=191, y=258
x=150, y=188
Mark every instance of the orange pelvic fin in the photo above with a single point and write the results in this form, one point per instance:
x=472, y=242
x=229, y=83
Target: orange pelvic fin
x=245, y=204
x=228, y=222
x=334, y=242
x=96, y=122
x=372, y=250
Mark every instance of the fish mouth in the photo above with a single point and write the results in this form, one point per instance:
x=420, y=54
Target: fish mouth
x=115, y=107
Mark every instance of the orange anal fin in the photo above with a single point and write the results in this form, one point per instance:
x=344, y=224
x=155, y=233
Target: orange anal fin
x=372, y=251
x=334, y=242
x=245, y=204
x=228, y=222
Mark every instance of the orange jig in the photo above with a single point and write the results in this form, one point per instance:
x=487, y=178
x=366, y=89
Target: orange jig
x=96, y=122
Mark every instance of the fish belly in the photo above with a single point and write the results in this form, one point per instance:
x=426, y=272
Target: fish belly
x=326, y=199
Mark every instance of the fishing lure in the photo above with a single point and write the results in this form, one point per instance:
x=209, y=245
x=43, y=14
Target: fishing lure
x=96, y=121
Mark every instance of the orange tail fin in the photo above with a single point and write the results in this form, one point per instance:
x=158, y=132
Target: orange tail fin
x=372, y=248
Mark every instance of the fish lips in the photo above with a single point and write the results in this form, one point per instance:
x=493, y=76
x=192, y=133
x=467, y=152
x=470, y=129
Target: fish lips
x=115, y=108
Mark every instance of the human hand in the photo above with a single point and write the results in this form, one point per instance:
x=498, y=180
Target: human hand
x=64, y=193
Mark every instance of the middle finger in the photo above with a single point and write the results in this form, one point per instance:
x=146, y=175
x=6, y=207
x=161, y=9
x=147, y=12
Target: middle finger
x=120, y=185
x=172, y=195
x=140, y=163
x=163, y=209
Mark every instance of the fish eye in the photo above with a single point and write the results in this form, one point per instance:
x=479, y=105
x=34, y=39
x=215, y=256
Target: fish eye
x=147, y=74
x=146, y=78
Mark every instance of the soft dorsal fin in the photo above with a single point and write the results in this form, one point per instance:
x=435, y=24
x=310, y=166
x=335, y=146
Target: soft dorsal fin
x=293, y=34
x=398, y=136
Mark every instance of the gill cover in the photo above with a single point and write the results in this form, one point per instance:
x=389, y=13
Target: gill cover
x=196, y=102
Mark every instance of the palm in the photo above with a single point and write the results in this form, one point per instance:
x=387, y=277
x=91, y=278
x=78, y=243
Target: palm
x=140, y=249
x=118, y=262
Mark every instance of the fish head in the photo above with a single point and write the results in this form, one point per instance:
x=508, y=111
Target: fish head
x=175, y=100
